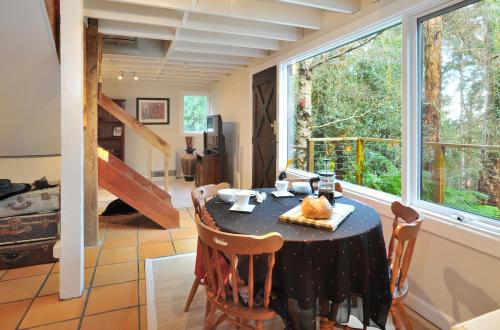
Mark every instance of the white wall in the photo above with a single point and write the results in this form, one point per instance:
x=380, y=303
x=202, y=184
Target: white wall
x=29, y=169
x=30, y=83
x=138, y=152
x=453, y=276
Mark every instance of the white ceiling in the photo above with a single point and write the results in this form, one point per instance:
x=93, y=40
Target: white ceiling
x=205, y=39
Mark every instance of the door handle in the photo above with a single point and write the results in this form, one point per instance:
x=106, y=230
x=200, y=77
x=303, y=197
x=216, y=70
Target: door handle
x=273, y=126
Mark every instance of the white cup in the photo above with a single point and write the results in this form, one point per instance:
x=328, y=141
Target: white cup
x=282, y=186
x=242, y=198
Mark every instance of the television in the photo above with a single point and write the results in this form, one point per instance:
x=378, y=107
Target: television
x=214, y=133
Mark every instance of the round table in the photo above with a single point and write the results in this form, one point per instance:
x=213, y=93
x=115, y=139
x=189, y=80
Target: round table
x=342, y=273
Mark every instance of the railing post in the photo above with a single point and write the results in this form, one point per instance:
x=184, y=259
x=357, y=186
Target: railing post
x=310, y=156
x=438, y=173
x=165, y=161
x=360, y=159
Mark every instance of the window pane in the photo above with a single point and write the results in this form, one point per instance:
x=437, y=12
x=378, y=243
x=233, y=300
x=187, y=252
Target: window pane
x=344, y=106
x=195, y=113
x=460, y=105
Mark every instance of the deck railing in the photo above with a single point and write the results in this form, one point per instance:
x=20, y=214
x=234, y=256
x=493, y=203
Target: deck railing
x=438, y=163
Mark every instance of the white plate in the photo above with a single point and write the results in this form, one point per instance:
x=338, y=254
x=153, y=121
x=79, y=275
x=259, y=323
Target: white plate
x=282, y=194
x=337, y=194
x=247, y=208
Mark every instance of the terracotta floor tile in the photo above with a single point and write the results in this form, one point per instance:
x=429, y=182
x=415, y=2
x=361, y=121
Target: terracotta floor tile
x=156, y=250
x=64, y=325
x=114, y=242
x=51, y=286
x=187, y=223
x=184, y=212
x=56, y=268
x=121, y=230
x=125, y=319
x=154, y=236
x=115, y=273
x=185, y=245
x=183, y=233
x=27, y=271
x=144, y=317
x=11, y=313
x=112, y=297
x=2, y=272
x=114, y=256
x=142, y=292
x=50, y=309
x=142, y=271
x=90, y=256
x=21, y=288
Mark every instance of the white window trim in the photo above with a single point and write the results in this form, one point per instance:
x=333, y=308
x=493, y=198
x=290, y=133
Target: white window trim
x=192, y=93
x=410, y=142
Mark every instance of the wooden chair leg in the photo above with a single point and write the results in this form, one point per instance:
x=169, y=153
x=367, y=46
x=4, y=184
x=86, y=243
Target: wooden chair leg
x=395, y=317
x=259, y=325
x=194, y=288
x=404, y=317
x=325, y=323
x=209, y=316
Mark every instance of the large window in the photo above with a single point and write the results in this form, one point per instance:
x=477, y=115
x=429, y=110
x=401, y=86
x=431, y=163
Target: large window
x=196, y=108
x=459, y=92
x=344, y=111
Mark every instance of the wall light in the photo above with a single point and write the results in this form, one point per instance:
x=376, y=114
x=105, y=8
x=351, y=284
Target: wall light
x=135, y=77
x=120, y=77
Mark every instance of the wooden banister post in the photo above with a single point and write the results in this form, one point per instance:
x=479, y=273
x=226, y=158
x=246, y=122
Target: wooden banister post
x=360, y=160
x=165, y=161
x=92, y=55
x=310, y=156
x=438, y=173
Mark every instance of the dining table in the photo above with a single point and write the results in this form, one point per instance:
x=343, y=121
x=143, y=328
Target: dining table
x=330, y=274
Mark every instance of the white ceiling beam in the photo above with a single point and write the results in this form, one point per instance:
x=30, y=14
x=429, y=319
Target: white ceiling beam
x=227, y=39
x=171, y=73
x=132, y=58
x=180, y=68
x=204, y=48
x=136, y=30
x=132, y=14
x=173, y=62
x=257, y=10
x=208, y=58
x=247, y=28
x=341, y=6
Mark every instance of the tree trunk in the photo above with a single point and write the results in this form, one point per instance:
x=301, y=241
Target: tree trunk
x=433, y=44
x=303, y=113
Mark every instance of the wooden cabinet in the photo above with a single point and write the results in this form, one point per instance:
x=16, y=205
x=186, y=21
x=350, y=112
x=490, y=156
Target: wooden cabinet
x=207, y=169
x=111, y=132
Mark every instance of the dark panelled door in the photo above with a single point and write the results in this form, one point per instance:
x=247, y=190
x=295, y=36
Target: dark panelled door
x=264, y=128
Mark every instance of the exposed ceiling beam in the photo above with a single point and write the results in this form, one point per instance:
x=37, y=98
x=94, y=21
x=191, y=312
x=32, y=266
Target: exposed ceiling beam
x=132, y=58
x=216, y=38
x=132, y=14
x=178, y=68
x=247, y=28
x=341, y=6
x=208, y=58
x=204, y=48
x=170, y=73
x=136, y=30
x=257, y=10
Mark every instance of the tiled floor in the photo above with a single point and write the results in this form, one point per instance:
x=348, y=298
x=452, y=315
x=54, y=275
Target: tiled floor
x=114, y=297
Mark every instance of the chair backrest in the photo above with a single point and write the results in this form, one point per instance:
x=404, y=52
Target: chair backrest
x=200, y=195
x=215, y=243
x=406, y=225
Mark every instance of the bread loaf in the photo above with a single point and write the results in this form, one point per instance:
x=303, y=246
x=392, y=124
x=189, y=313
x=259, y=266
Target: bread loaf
x=316, y=208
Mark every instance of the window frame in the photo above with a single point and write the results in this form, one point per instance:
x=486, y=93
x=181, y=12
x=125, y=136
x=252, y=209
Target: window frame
x=411, y=112
x=192, y=93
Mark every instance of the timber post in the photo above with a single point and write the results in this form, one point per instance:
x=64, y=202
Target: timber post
x=360, y=160
x=438, y=173
x=310, y=155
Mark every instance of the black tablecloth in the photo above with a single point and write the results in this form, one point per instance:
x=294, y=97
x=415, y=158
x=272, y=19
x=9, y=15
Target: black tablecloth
x=343, y=272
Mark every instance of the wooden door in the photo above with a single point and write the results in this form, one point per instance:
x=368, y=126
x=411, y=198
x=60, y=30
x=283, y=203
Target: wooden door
x=264, y=128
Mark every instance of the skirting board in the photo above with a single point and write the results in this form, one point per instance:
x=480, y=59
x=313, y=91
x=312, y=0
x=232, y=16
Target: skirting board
x=156, y=174
x=429, y=312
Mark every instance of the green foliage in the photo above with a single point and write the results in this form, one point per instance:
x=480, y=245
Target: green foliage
x=195, y=113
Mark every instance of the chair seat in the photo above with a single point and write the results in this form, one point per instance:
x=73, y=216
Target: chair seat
x=254, y=314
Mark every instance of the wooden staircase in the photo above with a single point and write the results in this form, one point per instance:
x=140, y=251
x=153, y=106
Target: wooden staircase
x=128, y=185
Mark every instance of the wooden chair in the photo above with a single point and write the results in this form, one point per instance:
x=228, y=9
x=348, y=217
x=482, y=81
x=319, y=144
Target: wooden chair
x=215, y=243
x=405, y=228
x=200, y=196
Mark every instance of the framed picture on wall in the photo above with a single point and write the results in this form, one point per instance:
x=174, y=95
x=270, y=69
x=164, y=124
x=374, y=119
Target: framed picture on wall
x=153, y=111
x=117, y=131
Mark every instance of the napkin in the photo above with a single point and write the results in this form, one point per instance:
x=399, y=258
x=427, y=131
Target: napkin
x=260, y=197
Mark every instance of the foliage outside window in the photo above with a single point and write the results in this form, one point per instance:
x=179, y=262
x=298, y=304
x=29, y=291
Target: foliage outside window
x=460, y=108
x=196, y=109
x=344, y=105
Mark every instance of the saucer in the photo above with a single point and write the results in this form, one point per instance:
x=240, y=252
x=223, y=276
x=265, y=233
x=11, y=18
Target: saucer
x=247, y=208
x=337, y=194
x=282, y=194
x=250, y=192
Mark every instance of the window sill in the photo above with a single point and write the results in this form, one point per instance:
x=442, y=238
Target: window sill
x=475, y=236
